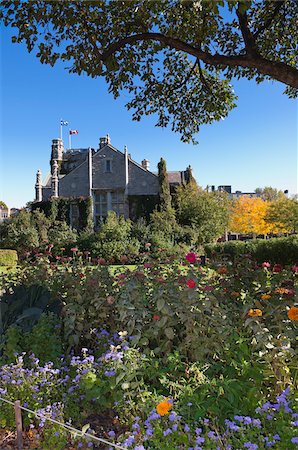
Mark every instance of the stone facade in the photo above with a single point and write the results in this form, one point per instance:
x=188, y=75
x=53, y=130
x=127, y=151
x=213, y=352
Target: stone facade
x=107, y=175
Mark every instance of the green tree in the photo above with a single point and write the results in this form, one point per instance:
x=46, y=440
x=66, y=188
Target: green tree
x=205, y=214
x=3, y=205
x=176, y=58
x=270, y=194
x=113, y=239
x=19, y=233
x=284, y=214
x=165, y=199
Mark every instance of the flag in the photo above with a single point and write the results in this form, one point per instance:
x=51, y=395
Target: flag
x=73, y=132
x=63, y=123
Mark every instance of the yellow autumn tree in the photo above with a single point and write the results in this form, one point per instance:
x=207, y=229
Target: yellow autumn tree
x=249, y=216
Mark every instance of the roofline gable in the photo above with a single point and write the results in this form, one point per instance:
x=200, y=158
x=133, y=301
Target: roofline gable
x=130, y=160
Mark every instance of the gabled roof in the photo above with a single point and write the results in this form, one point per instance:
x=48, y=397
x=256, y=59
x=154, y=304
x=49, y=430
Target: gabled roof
x=130, y=160
x=174, y=177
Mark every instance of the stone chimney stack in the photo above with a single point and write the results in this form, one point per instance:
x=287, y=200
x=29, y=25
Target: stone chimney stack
x=38, y=187
x=146, y=164
x=55, y=179
x=104, y=141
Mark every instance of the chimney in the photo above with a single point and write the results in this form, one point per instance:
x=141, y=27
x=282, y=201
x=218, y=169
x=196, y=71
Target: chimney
x=104, y=141
x=55, y=179
x=38, y=187
x=145, y=164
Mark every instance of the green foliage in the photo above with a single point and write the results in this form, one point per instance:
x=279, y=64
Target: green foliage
x=23, y=306
x=142, y=206
x=19, y=233
x=204, y=214
x=284, y=213
x=175, y=60
x=3, y=205
x=44, y=340
x=59, y=210
x=270, y=194
x=165, y=199
x=8, y=258
x=61, y=235
x=276, y=250
x=113, y=239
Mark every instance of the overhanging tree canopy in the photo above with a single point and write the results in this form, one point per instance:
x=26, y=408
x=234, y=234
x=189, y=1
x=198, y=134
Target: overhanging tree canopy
x=176, y=58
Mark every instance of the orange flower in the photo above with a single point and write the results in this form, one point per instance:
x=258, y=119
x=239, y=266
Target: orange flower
x=235, y=294
x=222, y=270
x=255, y=313
x=265, y=297
x=280, y=290
x=164, y=407
x=293, y=313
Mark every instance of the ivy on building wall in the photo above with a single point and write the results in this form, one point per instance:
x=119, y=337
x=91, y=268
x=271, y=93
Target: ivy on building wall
x=59, y=209
x=142, y=205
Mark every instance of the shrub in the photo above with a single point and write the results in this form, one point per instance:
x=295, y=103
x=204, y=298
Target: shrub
x=276, y=250
x=8, y=258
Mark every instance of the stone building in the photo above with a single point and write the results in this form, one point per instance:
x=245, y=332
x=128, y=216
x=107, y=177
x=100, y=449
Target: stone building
x=111, y=178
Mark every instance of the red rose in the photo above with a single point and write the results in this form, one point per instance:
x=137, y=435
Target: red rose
x=191, y=284
x=191, y=257
x=277, y=268
x=156, y=317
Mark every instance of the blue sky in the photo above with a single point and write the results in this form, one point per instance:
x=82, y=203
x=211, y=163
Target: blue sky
x=255, y=146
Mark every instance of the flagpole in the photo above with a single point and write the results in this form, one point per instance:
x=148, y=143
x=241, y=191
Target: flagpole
x=61, y=129
x=69, y=140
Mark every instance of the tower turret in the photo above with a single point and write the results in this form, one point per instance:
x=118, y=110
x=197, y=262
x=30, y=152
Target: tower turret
x=57, y=151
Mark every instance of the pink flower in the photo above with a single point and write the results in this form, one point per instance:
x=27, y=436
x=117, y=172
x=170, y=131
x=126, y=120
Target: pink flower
x=266, y=264
x=74, y=249
x=121, y=275
x=156, y=317
x=147, y=266
x=294, y=269
x=191, y=284
x=191, y=257
x=208, y=288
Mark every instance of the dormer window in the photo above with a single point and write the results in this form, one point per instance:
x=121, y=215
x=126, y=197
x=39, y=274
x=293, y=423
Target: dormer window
x=108, y=165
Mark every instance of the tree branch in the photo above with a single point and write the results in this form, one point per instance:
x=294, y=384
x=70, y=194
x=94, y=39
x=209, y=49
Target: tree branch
x=249, y=40
x=278, y=70
x=189, y=75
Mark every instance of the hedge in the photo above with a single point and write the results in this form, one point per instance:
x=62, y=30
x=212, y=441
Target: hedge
x=282, y=250
x=8, y=258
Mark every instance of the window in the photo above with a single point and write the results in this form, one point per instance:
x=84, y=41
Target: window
x=117, y=198
x=101, y=204
x=108, y=201
x=108, y=165
x=74, y=215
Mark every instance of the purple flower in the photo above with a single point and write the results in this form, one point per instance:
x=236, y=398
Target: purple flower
x=251, y=446
x=110, y=373
x=294, y=440
x=166, y=432
x=111, y=433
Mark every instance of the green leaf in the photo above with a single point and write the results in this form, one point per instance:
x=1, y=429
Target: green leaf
x=160, y=304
